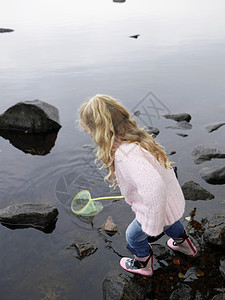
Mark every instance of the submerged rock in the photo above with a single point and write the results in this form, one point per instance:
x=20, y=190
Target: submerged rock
x=182, y=134
x=215, y=232
x=214, y=126
x=32, y=116
x=201, y=154
x=28, y=215
x=178, y=117
x=84, y=249
x=181, y=125
x=216, y=176
x=117, y=286
x=193, y=191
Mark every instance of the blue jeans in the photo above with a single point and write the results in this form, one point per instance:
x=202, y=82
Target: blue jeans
x=137, y=240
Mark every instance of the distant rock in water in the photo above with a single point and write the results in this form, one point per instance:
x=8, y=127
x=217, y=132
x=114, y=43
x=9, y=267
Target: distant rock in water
x=214, y=126
x=181, y=125
x=193, y=191
x=40, y=216
x=119, y=1
x=178, y=117
x=152, y=130
x=134, y=36
x=33, y=116
x=201, y=154
x=182, y=134
x=216, y=176
x=2, y=30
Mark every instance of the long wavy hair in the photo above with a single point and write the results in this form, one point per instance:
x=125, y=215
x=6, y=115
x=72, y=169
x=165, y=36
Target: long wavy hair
x=110, y=124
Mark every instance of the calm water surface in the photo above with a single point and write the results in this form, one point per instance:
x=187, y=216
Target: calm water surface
x=65, y=51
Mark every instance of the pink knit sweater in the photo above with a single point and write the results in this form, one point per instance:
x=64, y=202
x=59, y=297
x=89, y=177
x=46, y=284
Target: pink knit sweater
x=152, y=191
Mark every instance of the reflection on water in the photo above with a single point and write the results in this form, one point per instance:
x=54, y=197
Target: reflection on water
x=35, y=144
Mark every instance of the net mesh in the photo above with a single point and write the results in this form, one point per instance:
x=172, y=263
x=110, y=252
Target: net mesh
x=83, y=206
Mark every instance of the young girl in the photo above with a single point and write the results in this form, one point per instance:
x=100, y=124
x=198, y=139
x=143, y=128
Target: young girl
x=137, y=163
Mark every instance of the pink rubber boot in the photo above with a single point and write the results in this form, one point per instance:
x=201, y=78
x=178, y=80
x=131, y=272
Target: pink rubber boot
x=138, y=265
x=183, y=245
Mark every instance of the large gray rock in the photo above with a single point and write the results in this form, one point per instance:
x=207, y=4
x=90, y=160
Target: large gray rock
x=178, y=117
x=31, y=116
x=117, y=286
x=193, y=191
x=201, y=154
x=215, y=231
x=29, y=215
x=214, y=126
x=215, y=176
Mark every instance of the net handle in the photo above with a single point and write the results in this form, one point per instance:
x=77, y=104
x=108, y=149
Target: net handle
x=111, y=197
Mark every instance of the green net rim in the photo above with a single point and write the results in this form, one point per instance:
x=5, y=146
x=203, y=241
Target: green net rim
x=80, y=210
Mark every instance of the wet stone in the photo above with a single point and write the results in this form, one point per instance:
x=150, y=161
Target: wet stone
x=83, y=249
x=117, y=286
x=215, y=232
x=181, y=125
x=152, y=130
x=201, y=154
x=178, y=117
x=193, y=191
x=110, y=227
x=215, y=176
x=182, y=292
x=214, y=126
x=29, y=215
x=220, y=296
x=222, y=267
x=160, y=252
x=32, y=116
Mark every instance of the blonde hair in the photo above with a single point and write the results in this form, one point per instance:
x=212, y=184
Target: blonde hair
x=108, y=121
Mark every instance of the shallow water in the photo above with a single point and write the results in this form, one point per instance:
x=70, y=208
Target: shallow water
x=63, y=54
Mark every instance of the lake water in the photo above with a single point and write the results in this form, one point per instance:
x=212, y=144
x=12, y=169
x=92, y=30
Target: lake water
x=63, y=52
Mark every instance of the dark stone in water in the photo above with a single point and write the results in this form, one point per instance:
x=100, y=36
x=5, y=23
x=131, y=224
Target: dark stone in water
x=28, y=215
x=216, y=176
x=182, y=134
x=117, y=286
x=201, y=154
x=215, y=232
x=84, y=249
x=160, y=251
x=110, y=227
x=152, y=130
x=178, y=117
x=31, y=116
x=214, y=126
x=181, y=125
x=2, y=30
x=193, y=191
